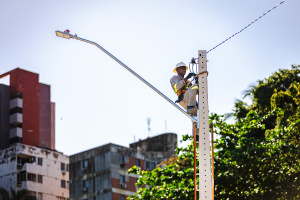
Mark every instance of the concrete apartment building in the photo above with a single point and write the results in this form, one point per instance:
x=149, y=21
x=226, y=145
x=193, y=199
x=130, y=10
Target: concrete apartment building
x=101, y=173
x=44, y=173
x=28, y=159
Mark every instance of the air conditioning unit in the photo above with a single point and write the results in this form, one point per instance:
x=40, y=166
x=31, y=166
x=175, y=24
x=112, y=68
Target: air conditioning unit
x=123, y=185
x=85, y=189
x=63, y=172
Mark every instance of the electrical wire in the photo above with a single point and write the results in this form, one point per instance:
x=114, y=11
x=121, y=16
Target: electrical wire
x=244, y=28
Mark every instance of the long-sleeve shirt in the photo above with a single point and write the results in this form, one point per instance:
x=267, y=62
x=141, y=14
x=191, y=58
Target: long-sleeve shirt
x=177, y=82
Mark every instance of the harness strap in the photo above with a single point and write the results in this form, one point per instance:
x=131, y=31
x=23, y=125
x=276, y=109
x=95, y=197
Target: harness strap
x=183, y=89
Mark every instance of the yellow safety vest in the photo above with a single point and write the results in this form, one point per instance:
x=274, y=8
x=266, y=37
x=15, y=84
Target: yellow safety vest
x=183, y=90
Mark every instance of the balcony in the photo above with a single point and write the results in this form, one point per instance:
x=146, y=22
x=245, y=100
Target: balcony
x=17, y=102
x=16, y=118
x=15, y=132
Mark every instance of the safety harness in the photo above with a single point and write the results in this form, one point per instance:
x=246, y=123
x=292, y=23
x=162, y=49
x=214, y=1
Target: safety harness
x=180, y=92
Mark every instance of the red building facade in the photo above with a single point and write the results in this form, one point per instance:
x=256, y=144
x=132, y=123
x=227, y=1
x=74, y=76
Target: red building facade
x=29, y=111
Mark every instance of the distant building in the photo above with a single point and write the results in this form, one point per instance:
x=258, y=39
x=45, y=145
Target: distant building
x=26, y=112
x=28, y=159
x=44, y=173
x=101, y=173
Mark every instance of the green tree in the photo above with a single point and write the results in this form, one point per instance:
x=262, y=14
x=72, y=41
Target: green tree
x=248, y=167
x=19, y=195
x=240, y=110
x=257, y=157
x=263, y=92
x=172, y=180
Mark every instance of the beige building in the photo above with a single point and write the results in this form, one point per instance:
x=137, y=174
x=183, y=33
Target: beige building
x=43, y=172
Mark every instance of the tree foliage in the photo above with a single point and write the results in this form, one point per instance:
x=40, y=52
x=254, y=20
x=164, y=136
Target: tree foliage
x=257, y=157
x=250, y=167
x=172, y=180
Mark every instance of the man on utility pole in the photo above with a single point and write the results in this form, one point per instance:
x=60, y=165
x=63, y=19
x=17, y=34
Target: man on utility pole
x=185, y=91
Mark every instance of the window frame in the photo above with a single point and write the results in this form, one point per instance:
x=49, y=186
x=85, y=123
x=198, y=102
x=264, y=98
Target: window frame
x=40, y=179
x=63, y=166
x=31, y=177
x=122, y=179
x=40, y=161
x=121, y=159
x=85, y=164
x=137, y=162
x=63, y=184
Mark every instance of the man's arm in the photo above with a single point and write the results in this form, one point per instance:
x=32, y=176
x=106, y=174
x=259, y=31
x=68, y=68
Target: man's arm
x=177, y=83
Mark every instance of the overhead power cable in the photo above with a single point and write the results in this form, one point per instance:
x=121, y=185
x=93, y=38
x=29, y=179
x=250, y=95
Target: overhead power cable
x=245, y=27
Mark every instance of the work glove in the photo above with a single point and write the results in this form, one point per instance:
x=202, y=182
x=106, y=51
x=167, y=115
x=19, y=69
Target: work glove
x=190, y=75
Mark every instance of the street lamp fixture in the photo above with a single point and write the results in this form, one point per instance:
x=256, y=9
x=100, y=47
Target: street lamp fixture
x=65, y=34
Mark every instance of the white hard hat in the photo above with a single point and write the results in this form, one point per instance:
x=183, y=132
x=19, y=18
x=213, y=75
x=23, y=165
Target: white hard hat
x=181, y=64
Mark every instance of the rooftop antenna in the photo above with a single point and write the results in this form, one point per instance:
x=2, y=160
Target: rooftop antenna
x=149, y=129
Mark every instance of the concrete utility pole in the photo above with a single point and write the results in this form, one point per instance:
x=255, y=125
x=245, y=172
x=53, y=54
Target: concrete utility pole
x=205, y=177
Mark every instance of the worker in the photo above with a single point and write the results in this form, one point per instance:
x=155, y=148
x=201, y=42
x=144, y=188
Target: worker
x=185, y=91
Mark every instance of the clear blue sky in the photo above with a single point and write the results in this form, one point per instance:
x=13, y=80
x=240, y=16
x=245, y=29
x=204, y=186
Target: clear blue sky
x=98, y=101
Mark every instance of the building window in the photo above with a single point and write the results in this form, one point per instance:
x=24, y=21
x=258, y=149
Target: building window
x=85, y=164
x=21, y=161
x=31, y=193
x=15, y=110
x=40, y=161
x=122, y=179
x=67, y=167
x=85, y=183
x=40, y=179
x=21, y=176
x=150, y=165
x=62, y=166
x=31, y=177
x=31, y=160
x=122, y=197
x=40, y=196
x=85, y=186
x=121, y=159
x=63, y=183
x=138, y=162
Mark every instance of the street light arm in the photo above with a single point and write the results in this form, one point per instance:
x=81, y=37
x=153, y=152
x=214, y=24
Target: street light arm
x=66, y=34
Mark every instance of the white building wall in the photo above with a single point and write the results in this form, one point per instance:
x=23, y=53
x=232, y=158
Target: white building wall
x=50, y=170
x=8, y=169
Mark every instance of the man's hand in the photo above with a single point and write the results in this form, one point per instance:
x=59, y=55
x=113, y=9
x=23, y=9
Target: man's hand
x=190, y=75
